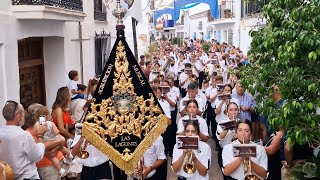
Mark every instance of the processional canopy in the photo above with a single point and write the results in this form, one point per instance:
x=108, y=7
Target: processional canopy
x=125, y=118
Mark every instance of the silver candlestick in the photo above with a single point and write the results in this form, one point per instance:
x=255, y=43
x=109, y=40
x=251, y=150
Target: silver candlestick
x=119, y=13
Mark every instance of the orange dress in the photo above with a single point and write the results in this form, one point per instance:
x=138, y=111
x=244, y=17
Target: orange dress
x=66, y=119
x=45, y=161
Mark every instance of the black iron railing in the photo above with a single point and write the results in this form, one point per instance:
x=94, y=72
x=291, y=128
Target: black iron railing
x=100, y=16
x=65, y=4
x=252, y=7
x=225, y=10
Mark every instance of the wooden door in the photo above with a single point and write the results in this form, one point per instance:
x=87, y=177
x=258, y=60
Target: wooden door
x=31, y=71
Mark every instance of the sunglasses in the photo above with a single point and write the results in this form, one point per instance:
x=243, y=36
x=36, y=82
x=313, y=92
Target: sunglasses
x=15, y=107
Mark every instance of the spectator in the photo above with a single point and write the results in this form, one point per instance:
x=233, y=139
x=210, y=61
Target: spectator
x=17, y=146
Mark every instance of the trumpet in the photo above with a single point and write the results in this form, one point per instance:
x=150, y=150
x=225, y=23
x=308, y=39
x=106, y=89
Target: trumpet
x=192, y=77
x=247, y=168
x=84, y=154
x=189, y=167
x=218, y=69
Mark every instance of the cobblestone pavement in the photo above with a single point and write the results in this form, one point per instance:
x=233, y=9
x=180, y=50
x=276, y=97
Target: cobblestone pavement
x=214, y=172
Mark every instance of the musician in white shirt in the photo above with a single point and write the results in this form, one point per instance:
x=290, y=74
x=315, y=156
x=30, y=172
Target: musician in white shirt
x=184, y=80
x=17, y=147
x=153, y=158
x=201, y=158
x=221, y=105
x=192, y=94
x=162, y=101
x=226, y=136
x=174, y=89
x=96, y=166
x=233, y=166
x=191, y=109
x=156, y=71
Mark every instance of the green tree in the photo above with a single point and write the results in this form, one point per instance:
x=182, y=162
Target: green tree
x=286, y=52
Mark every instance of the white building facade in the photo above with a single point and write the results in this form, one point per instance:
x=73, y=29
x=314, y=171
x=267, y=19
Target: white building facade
x=41, y=43
x=237, y=19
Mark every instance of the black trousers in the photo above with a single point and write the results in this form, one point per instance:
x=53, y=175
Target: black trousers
x=183, y=92
x=201, y=78
x=102, y=171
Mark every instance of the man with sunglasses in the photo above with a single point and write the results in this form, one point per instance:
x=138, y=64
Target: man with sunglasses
x=17, y=147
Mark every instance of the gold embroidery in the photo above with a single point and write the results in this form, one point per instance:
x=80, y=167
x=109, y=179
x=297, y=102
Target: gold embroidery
x=124, y=113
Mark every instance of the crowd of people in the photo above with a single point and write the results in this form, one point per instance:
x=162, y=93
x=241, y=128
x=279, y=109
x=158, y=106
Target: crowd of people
x=200, y=92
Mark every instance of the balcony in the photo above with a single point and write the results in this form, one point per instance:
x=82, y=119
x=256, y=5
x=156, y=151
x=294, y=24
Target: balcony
x=249, y=9
x=226, y=13
x=168, y=24
x=65, y=10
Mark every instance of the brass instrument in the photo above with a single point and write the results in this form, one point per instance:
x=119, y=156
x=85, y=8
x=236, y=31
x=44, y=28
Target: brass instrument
x=218, y=69
x=165, y=68
x=247, y=168
x=189, y=167
x=84, y=154
x=8, y=171
x=192, y=77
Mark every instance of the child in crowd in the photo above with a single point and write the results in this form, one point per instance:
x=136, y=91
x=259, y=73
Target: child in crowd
x=73, y=85
x=43, y=114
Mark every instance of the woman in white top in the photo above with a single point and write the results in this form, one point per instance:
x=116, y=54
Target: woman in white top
x=221, y=105
x=225, y=136
x=201, y=158
x=192, y=108
x=233, y=166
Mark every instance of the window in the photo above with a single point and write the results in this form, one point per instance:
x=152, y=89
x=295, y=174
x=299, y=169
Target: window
x=250, y=8
x=230, y=36
x=100, y=12
x=182, y=20
x=102, y=51
x=200, y=25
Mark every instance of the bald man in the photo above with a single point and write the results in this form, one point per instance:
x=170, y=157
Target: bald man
x=17, y=147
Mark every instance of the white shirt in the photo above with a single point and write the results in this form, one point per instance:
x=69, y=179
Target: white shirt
x=200, y=100
x=213, y=92
x=95, y=158
x=72, y=85
x=202, y=125
x=227, y=139
x=153, y=75
x=165, y=107
x=172, y=96
x=176, y=91
x=172, y=70
x=153, y=153
x=221, y=116
x=203, y=154
x=76, y=109
x=20, y=151
x=180, y=65
x=201, y=95
x=227, y=158
x=183, y=77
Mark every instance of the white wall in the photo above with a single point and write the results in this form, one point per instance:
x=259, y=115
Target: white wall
x=54, y=66
x=247, y=24
x=61, y=49
x=194, y=22
x=3, y=91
